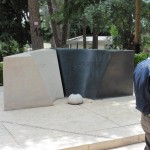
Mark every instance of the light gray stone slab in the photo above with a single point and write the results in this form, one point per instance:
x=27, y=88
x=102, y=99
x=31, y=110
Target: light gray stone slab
x=11, y=146
x=119, y=132
x=47, y=64
x=118, y=110
x=31, y=80
x=23, y=133
x=44, y=127
x=79, y=120
x=6, y=140
x=69, y=118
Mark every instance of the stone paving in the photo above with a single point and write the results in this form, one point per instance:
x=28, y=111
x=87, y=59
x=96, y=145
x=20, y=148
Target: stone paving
x=93, y=125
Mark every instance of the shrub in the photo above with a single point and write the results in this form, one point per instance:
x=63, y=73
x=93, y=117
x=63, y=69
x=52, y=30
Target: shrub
x=1, y=73
x=140, y=57
x=145, y=43
x=9, y=48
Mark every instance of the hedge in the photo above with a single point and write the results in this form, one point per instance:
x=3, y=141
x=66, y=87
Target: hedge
x=140, y=57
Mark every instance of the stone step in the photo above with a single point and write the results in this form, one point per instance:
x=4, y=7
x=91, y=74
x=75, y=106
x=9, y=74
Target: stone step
x=110, y=144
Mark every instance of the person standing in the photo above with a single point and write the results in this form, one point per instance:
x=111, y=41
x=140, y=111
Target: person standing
x=142, y=94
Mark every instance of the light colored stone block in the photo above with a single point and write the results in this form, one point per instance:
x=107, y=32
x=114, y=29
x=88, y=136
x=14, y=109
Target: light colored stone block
x=31, y=79
x=23, y=132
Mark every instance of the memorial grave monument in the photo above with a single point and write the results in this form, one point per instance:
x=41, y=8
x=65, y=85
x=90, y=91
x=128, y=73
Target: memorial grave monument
x=38, y=78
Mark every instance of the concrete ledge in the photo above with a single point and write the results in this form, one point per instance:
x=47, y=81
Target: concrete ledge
x=110, y=144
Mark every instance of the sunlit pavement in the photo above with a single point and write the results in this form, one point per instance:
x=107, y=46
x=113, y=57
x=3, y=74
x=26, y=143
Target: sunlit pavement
x=94, y=125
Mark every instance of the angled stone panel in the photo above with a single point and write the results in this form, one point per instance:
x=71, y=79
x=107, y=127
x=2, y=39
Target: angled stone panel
x=31, y=80
x=47, y=64
x=96, y=73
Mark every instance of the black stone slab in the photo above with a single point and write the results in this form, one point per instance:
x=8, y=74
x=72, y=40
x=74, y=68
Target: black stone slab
x=96, y=73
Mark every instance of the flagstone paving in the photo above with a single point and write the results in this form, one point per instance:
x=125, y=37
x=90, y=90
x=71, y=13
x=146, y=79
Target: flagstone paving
x=95, y=124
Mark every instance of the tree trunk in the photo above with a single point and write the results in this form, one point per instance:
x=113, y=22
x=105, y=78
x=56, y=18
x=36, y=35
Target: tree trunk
x=95, y=37
x=95, y=28
x=54, y=24
x=19, y=31
x=84, y=31
x=65, y=25
x=137, y=27
x=36, y=34
x=64, y=33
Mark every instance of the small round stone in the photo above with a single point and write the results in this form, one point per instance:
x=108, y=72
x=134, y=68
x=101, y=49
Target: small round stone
x=75, y=99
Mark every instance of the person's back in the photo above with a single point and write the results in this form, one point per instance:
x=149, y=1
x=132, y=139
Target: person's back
x=142, y=94
x=142, y=86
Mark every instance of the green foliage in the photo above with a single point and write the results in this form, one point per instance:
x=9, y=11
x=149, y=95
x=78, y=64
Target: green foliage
x=57, y=16
x=97, y=15
x=145, y=40
x=76, y=27
x=45, y=23
x=123, y=20
x=145, y=15
x=113, y=31
x=116, y=38
x=75, y=8
x=116, y=43
x=9, y=48
x=116, y=16
x=140, y=57
x=14, y=23
x=1, y=73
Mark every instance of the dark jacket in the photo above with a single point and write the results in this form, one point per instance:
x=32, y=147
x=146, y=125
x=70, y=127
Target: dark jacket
x=142, y=86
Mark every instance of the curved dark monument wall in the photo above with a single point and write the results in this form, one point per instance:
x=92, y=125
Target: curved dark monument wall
x=96, y=73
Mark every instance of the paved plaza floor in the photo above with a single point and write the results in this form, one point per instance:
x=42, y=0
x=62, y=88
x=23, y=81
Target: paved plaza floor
x=93, y=125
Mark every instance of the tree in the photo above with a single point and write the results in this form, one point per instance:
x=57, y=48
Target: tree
x=65, y=24
x=124, y=22
x=51, y=6
x=35, y=28
x=84, y=20
x=59, y=21
x=14, y=23
x=97, y=15
x=145, y=17
x=100, y=16
x=62, y=16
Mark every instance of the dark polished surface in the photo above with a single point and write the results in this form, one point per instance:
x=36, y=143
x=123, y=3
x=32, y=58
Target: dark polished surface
x=96, y=73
